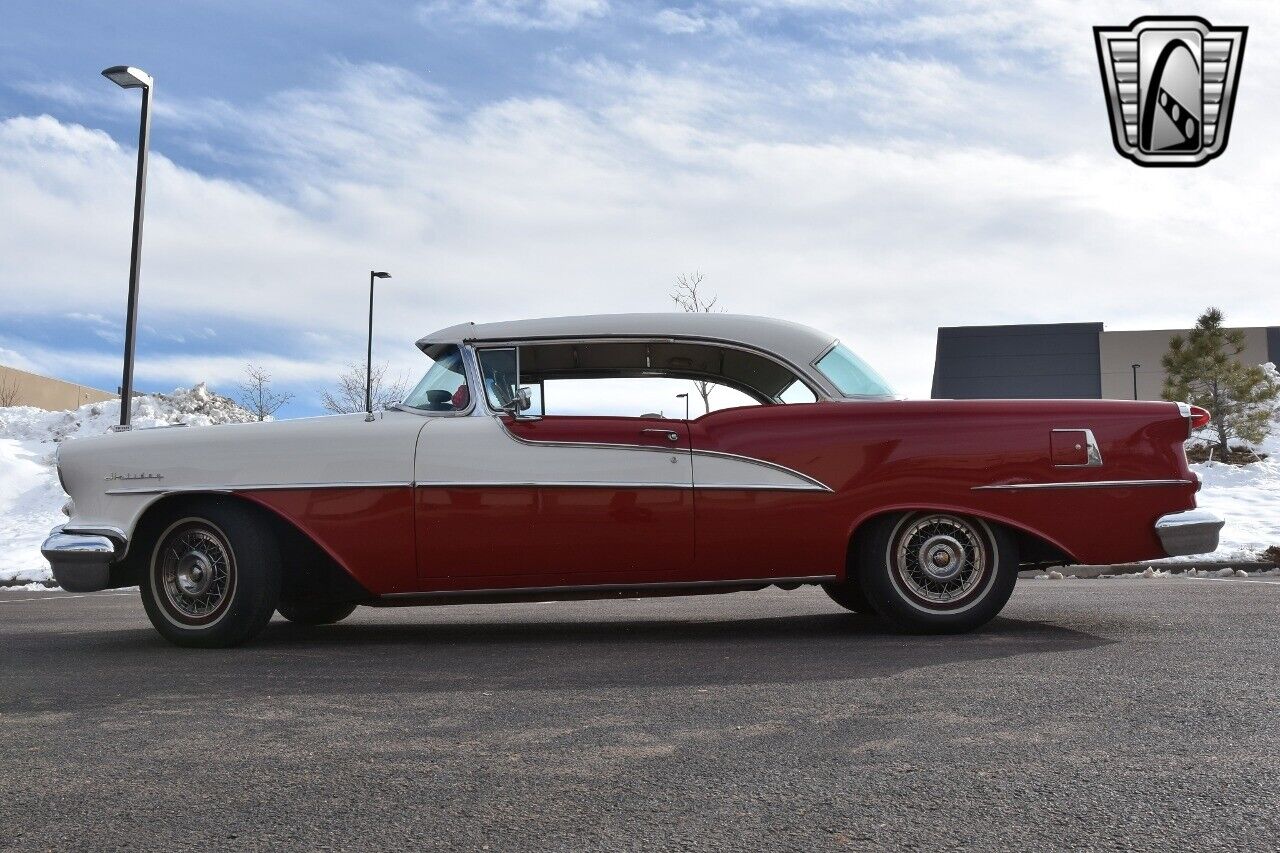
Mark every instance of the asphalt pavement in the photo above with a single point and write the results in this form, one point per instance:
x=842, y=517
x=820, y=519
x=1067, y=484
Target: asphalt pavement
x=1094, y=714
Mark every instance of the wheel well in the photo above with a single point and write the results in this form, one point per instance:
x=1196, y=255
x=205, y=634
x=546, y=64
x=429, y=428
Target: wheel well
x=1033, y=550
x=310, y=574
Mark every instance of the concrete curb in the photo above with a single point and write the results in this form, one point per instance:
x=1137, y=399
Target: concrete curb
x=1139, y=568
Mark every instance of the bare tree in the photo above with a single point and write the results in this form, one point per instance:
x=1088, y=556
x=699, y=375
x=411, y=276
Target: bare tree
x=689, y=296
x=8, y=392
x=256, y=394
x=348, y=396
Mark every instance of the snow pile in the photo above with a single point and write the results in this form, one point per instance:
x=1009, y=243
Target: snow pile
x=31, y=498
x=196, y=406
x=1248, y=496
x=1226, y=572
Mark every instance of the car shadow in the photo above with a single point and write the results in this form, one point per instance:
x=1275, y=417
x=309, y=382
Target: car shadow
x=363, y=657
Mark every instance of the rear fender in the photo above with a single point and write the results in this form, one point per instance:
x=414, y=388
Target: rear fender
x=1024, y=531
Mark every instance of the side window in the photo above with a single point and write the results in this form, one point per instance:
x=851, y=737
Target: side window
x=634, y=379
x=638, y=397
x=444, y=386
x=498, y=373
x=797, y=392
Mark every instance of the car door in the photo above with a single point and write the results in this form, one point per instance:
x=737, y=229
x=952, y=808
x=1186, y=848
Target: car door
x=502, y=502
x=759, y=515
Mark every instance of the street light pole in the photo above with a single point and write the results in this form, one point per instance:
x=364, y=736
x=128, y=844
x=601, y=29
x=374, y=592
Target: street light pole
x=134, y=78
x=1135, y=379
x=368, y=365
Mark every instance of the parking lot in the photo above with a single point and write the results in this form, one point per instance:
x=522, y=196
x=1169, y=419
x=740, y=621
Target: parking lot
x=1092, y=714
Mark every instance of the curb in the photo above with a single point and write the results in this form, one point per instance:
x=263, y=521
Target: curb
x=1139, y=568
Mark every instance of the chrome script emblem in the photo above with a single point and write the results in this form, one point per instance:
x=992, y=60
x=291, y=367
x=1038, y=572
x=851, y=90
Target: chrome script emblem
x=1171, y=86
x=130, y=475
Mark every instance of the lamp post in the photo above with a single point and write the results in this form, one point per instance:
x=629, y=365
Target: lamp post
x=1135, y=379
x=368, y=365
x=134, y=78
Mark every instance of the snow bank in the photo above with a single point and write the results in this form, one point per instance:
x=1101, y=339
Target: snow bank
x=1248, y=496
x=31, y=498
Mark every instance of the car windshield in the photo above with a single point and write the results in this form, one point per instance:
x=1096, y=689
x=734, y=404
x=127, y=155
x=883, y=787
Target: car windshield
x=444, y=387
x=851, y=375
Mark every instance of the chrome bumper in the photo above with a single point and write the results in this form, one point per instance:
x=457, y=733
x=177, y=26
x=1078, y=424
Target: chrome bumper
x=1192, y=532
x=81, y=561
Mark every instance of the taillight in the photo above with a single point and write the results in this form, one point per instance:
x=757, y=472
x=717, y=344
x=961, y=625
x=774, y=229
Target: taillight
x=1199, y=417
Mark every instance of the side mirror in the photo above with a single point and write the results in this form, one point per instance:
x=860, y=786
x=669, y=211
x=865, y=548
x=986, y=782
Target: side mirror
x=522, y=403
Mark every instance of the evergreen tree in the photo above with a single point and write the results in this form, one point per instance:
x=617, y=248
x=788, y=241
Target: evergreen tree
x=1204, y=369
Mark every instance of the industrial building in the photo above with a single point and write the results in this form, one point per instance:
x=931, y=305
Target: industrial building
x=20, y=388
x=1065, y=360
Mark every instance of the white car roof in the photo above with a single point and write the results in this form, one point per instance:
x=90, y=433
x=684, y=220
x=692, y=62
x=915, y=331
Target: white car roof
x=792, y=342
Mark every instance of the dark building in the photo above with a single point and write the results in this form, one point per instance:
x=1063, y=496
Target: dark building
x=1066, y=360
x=1049, y=360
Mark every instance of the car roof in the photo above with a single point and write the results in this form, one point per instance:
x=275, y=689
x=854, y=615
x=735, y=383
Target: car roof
x=797, y=344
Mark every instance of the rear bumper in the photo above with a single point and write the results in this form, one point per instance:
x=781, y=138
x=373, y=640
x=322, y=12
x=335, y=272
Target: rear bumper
x=1192, y=532
x=81, y=561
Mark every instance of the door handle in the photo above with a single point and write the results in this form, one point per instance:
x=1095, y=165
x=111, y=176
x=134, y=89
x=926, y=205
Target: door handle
x=671, y=435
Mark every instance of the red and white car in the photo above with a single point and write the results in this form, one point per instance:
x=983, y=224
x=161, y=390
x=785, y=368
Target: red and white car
x=475, y=489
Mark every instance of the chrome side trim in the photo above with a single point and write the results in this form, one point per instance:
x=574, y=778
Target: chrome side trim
x=607, y=445
x=463, y=484
x=550, y=484
x=595, y=484
x=814, y=483
x=1093, y=455
x=761, y=487
x=257, y=487
x=1095, y=484
x=607, y=587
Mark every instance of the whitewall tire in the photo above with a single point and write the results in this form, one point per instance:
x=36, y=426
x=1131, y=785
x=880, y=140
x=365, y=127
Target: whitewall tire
x=212, y=578
x=936, y=572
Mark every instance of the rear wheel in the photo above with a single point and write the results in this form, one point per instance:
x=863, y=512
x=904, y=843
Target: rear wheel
x=320, y=613
x=936, y=572
x=213, y=577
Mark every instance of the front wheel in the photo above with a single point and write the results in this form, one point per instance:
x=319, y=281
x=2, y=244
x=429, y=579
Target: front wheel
x=936, y=572
x=213, y=578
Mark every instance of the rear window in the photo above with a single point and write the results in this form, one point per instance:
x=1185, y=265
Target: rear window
x=851, y=375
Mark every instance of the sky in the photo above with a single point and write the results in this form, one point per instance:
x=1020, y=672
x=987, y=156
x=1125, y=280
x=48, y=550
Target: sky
x=873, y=168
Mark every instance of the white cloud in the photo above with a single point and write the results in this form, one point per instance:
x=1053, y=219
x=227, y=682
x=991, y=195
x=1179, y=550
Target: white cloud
x=520, y=14
x=678, y=21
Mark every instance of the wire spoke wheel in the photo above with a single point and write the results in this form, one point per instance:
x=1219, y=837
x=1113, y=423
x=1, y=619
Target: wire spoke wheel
x=941, y=561
x=194, y=571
